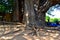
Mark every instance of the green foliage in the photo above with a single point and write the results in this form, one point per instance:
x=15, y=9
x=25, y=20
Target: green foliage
x=47, y=18
x=2, y=8
x=55, y=20
x=51, y=19
x=6, y=6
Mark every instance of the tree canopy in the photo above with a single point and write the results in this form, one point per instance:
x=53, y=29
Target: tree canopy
x=6, y=6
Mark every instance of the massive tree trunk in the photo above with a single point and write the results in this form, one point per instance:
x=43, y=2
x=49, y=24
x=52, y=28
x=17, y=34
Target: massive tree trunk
x=42, y=9
x=29, y=13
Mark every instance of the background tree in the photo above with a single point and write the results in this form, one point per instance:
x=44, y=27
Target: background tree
x=47, y=18
x=55, y=20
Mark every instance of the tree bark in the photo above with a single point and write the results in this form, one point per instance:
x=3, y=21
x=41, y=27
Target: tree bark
x=16, y=12
x=42, y=11
x=29, y=11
